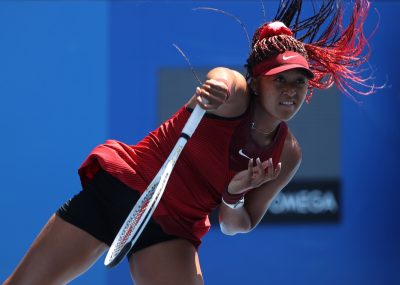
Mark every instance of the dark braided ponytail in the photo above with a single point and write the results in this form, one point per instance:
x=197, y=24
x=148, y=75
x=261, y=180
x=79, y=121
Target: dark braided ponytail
x=334, y=54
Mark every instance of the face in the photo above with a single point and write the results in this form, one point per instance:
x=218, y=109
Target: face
x=281, y=95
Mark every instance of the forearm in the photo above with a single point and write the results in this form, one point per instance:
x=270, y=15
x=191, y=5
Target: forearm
x=234, y=221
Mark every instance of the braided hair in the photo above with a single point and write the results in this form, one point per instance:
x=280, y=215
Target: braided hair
x=334, y=55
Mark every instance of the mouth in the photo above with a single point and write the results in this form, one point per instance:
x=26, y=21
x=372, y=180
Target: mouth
x=287, y=103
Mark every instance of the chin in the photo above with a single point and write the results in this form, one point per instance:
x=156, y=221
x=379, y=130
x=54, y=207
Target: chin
x=287, y=116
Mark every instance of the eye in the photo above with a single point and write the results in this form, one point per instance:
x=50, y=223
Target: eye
x=301, y=81
x=279, y=78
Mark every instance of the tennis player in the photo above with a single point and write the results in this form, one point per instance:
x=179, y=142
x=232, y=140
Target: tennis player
x=239, y=158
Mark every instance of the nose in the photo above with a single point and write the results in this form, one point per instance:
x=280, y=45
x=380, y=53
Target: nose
x=289, y=90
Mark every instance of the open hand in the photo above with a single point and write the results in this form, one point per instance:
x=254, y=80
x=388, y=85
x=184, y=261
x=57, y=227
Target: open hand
x=254, y=176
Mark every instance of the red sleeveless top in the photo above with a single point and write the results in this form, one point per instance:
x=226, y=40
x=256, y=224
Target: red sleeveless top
x=208, y=162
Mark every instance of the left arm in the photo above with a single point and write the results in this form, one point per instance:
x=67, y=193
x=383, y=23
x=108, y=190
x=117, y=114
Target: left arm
x=264, y=189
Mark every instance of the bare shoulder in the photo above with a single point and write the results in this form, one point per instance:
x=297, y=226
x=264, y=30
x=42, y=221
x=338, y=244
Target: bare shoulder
x=237, y=84
x=238, y=100
x=230, y=75
x=291, y=155
x=235, y=80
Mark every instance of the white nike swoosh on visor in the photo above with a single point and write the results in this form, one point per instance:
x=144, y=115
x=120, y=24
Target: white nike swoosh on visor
x=243, y=154
x=289, y=57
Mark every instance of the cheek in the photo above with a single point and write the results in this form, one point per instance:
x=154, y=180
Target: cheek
x=269, y=97
x=303, y=92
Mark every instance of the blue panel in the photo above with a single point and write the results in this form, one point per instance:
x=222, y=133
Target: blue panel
x=53, y=110
x=142, y=34
x=371, y=139
x=363, y=248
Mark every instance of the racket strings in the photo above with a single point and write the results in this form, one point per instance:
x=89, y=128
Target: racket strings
x=131, y=224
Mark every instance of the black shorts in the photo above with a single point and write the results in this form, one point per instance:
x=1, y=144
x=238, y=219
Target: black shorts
x=102, y=207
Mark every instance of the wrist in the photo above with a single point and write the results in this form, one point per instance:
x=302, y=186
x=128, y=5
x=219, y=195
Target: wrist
x=233, y=201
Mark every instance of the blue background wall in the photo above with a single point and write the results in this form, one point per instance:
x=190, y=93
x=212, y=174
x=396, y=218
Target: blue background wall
x=53, y=111
x=75, y=73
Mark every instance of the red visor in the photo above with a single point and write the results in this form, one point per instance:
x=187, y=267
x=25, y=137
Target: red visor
x=282, y=62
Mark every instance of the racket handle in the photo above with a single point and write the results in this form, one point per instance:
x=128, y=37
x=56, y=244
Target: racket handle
x=193, y=121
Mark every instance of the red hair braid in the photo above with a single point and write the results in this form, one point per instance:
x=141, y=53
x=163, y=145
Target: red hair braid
x=338, y=54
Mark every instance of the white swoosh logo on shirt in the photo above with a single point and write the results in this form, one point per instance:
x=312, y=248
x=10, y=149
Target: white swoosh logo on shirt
x=243, y=154
x=288, y=57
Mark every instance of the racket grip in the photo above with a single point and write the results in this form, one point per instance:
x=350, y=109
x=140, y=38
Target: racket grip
x=193, y=121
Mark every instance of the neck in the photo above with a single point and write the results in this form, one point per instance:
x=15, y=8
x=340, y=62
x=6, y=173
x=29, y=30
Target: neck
x=261, y=131
x=262, y=123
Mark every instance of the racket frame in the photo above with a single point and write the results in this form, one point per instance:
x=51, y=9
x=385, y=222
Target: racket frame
x=129, y=232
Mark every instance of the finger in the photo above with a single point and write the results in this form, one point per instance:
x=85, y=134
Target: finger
x=210, y=85
x=278, y=169
x=259, y=174
x=265, y=164
x=212, y=97
x=259, y=169
x=271, y=170
x=204, y=103
x=217, y=96
x=202, y=98
x=219, y=88
x=250, y=167
x=198, y=91
x=217, y=84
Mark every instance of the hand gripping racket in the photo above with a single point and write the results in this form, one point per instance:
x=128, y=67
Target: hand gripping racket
x=145, y=206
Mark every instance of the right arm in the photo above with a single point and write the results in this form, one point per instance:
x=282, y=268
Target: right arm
x=212, y=95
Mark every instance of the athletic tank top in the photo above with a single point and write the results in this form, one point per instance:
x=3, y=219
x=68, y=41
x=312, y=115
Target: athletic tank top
x=217, y=150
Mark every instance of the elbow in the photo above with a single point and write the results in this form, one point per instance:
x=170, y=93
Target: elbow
x=232, y=230
x=234, y=222
x=227, y=231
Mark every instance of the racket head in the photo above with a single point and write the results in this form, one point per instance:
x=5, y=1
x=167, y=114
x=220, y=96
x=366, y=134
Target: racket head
x=138, y=218
x=147, y=203
x=113, y=261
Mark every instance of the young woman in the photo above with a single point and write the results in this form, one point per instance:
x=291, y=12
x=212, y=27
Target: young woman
x=239, y=158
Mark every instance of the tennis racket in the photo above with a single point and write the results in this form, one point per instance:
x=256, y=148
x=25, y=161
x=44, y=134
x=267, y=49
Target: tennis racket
x=148, y=201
